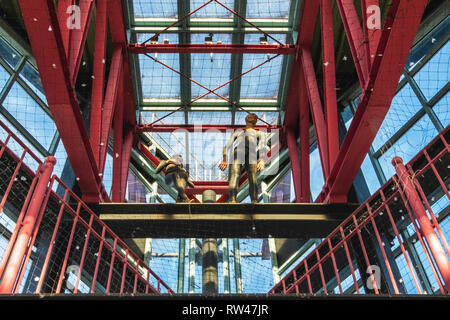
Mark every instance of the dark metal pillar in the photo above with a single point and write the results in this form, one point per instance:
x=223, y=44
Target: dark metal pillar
x=210, y=278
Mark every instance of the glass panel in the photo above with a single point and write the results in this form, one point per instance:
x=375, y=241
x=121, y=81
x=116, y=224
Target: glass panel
x=22, y=107
x=4, y=76
x=18, y=149
x=426, y=45
x=136, y=191
x=155, y=9
x=316, y=174
x=157, y=80
x=264, y=81
x=107, y=174
x=210, y=70
x=442, y=110
x=212, y=9
x=268, y=116
x=347, y=116
x=369, y=175
x=33, y=80
x=268, y=9
x=224, y=38
x=11, y=56
x=435, y=74
x=209, y=117
x=409, y=144
x=151, y=116
x=404, y=105
x=282, y=191
x=61, y=158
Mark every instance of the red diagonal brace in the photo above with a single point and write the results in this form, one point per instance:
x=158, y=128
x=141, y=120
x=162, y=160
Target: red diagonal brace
x=310, y=9
x=372, y=26
x=316, y=110
x=78, y=38
x=329, y=81
x=117, y=147
x=355, y=38
x=400, y=28
x=44, y=33
x=98, y=78
x=110, y=102
x=65, y=14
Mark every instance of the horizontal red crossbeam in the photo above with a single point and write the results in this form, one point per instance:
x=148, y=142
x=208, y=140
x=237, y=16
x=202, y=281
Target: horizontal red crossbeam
x=212, y=48
x=197, y=128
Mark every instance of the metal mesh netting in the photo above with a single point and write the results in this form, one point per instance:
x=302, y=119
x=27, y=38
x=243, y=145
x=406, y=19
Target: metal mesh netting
x=370, y=252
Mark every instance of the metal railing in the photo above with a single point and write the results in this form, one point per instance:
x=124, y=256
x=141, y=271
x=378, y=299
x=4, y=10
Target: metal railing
x=58, y=244
x=385, y=236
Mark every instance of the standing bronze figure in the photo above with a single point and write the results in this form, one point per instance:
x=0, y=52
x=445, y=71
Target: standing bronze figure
x=176, y=175
x=249, y=148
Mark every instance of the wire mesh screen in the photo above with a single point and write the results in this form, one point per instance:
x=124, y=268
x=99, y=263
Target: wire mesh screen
x=72, y=250
x=370, y=252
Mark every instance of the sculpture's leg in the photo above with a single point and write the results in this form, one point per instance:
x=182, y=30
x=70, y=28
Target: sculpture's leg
x=160, y=166
x=233, y=180
x=180, y=185
x=252, y=183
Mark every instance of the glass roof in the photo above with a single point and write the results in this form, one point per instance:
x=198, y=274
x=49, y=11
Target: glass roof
x=180, y=82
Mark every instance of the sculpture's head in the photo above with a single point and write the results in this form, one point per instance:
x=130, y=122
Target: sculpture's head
x=178, y=159
x=251, y=119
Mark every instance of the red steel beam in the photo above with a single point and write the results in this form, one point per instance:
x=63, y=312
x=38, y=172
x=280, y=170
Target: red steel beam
x=292, y=109
x=197, y=128
x=63, y=17
x=212, y=48
x=316, y=110
x=372, y=26
x=355, y=38
x=304, y=123
x=110, y=102
x=295, y=162
x=329, y=80
x=310, y=9
x=78, y=38
x=400, y=28
x=42, y=25
x=125, y=162
x=98, y=82
x=117, y=147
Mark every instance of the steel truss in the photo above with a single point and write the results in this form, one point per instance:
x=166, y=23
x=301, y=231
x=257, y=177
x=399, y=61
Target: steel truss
x=379, y=55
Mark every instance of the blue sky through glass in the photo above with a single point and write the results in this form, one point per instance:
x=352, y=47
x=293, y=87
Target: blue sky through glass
x=435, y=74
x=25, y=110
x=155, y=9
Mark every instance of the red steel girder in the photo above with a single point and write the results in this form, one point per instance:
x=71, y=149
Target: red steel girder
x=291, y=140
x=398, y=33
x=116, y=189
x=44, y=33
x=316, y=109
x=305, y=189
x=98, y=82
x=372, y=26
x=110, y=103
x=329, y=80
x=212, y=48
x=355, y=37
x=310, y=9
x=78, y=37
x=197, y=128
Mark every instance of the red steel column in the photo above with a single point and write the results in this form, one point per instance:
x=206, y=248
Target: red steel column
x=426, y=227
x=329, y=81
x=28, y=226
x=295, y=162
